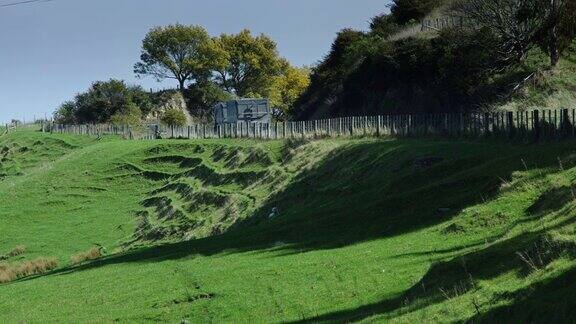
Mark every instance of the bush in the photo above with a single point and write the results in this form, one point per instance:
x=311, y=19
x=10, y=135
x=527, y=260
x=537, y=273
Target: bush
x=129, y=115
x=173, y=117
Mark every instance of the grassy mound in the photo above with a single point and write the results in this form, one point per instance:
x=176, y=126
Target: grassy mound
x=332, y=230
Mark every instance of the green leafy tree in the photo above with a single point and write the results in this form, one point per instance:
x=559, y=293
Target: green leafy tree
x=558, y=27
x=183, y=53
x=251, y=63
x=524, y=24
x=66, y=113
x=103, y=100
x=173, y=117
x=515, y=22
x=384, y=25
x=202, y=96
x=405, y=11
x=287, y=88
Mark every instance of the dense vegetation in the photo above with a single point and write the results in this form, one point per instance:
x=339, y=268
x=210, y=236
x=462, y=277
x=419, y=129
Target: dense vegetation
x=476, y=66
x=111, y=101
x=393, y=68
x=333, y=230
x=208, y=70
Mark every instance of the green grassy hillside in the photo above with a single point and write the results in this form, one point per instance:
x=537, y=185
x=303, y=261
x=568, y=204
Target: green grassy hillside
x=363, y=230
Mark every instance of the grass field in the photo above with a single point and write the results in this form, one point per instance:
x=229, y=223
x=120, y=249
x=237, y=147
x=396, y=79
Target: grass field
x=322, y=231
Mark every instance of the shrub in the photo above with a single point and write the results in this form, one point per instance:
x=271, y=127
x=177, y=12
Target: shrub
x=456, y=71
x=129, y=115
x=173, y=117
x=92, y=254
x=36, y=267
x=6, y=273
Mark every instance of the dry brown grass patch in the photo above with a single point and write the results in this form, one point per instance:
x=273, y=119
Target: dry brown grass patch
x=11, y=272
x=92, y=254
x=20, y=249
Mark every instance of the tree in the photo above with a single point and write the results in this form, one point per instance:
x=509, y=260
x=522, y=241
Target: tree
x=103, y=100
x=184, y=53
x=405, y=11
x=66, y=113
x=173, y=117
x=384, y=25
x=202, y=96
x=558, y=28
x=514, y=21
x=251, y=63
x=287, y=88
x=523, y=24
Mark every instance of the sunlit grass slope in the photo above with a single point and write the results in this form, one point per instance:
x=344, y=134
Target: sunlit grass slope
x=324, y=231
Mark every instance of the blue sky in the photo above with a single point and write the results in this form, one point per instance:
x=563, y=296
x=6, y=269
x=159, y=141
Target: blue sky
x=49, y=51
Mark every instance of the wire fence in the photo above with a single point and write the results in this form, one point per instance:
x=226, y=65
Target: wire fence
x=536, y=124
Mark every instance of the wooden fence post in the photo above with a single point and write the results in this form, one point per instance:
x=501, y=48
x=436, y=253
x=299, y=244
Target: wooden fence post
x=536, y=126
x=352, y=126
x=565, y=122
x=510, y=123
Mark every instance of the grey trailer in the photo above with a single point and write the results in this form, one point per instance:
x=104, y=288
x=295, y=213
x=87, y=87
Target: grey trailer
x=242, y=111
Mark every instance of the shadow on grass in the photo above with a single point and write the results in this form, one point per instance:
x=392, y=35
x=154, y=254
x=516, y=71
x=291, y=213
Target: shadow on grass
x=456, y=277
x=368, y=191
x=549, y=301
x=551, y=201
x=373, y=190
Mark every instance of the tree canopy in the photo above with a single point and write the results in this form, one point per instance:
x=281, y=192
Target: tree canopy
x=405, y=11
x=103, y=101
x=524, y=24
x=251, y=63
x=287, y=88
x=218, y=68
x=207, y=69
x=184, y=53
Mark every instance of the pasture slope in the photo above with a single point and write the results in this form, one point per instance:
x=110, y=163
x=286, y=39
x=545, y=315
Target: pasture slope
x=368, y=230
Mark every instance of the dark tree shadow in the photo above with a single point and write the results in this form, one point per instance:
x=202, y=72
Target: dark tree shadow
x=549, y=301
x=458, y=276
x=551, y=201
x=361, y=193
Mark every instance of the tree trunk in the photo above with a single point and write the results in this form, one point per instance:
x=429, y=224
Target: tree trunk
x=182, y=85
x=554, y=51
